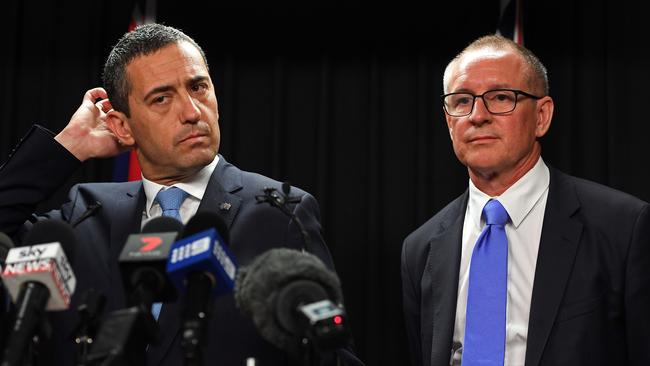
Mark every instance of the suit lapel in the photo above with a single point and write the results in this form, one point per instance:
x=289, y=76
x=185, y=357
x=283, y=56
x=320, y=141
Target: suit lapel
x=440, y=282
x=125, y=220
x=219, y=197
x=557, y=250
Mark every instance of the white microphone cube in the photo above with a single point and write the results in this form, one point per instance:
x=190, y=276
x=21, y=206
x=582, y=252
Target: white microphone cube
x=43, y=263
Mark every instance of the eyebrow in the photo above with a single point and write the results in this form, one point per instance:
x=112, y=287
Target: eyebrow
x=164, y=88
x=197, y=79
x=156, y=90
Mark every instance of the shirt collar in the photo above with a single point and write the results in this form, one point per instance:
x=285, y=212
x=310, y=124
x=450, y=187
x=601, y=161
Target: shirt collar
x=518, y=200
x=195, y=186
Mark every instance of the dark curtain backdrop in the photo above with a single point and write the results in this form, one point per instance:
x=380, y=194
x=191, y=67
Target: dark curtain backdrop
x=341, y=99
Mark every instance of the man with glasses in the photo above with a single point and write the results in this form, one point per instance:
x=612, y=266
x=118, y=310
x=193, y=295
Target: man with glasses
x=529, y=266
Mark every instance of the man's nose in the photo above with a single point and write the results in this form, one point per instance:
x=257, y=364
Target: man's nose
x=190, y=112
x=480, y=113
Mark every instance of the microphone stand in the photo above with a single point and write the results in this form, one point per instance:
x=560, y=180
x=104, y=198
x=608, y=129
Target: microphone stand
x=123, y=337
x=281, y=201
x=309, y=355
x=30, y=324
x=194, y=318
x=89, y=311
x=44, y=333
x=125, y=334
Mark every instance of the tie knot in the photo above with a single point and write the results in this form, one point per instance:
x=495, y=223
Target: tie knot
x=495, y=213
x=171, y=199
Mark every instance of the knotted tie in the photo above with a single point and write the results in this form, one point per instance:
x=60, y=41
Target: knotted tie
x=170, y=201
x=485, y=322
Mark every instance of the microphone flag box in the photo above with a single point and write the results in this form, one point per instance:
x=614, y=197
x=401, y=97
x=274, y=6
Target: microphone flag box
x=147, y=253
x=147, y=247
x=43, y=263
x=203, y=252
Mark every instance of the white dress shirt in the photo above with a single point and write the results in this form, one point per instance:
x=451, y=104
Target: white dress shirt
x=195, y=187
x=525, y=202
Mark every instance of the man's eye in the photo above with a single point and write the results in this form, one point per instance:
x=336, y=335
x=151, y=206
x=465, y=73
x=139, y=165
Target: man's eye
x=502, y=97
x=463, y=100
x=159, y=100
x=199, y=87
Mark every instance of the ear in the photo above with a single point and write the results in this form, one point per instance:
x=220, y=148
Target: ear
x=545, y=107
x=118, y=123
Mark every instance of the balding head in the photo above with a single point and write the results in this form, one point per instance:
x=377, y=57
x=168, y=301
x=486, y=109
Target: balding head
x=535, y=71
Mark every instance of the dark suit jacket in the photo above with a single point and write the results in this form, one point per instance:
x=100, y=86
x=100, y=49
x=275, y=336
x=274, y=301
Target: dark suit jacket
x=39, y=165
x=591, y=295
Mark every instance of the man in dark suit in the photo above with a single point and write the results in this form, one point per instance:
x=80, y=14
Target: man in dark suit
x=578, y=253
x=163, y=105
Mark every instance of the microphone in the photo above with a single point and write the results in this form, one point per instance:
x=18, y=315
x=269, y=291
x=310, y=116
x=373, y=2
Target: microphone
x=90, y=310
x=201, y=266
x=282, y=202
x=143, y=260
x=38, y=277
x=5, y=245
x=92, y=210
x=124, y=334
x=294, y=301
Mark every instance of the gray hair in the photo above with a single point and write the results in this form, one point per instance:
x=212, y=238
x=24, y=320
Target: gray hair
x=537, y=76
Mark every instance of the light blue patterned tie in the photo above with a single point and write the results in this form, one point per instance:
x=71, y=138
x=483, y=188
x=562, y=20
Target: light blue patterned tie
x=485, y=322
x=170, y=201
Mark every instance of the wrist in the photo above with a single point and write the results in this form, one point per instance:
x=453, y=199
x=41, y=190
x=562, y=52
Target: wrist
x=73, y=142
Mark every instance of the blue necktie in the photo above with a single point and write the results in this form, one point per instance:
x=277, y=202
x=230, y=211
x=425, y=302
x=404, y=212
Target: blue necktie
x=485, y=321
x=170, y=201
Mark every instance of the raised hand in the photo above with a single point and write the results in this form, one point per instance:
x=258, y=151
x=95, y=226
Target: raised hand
x=86, y=135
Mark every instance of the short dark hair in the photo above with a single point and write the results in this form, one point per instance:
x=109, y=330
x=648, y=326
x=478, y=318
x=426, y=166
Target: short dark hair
x=143, y=40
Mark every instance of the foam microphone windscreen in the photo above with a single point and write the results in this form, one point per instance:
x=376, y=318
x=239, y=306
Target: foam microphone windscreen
x=49, y=231
x=5, y=245
x=269, y=289
x=162, y=224
x=205, y=220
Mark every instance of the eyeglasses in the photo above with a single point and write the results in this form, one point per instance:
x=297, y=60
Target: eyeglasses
x=497, y=101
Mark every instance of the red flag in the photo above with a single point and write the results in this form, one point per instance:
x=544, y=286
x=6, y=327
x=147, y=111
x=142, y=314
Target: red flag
x=126, y=166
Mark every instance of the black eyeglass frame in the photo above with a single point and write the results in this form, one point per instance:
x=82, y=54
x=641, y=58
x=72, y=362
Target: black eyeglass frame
x=516, y=91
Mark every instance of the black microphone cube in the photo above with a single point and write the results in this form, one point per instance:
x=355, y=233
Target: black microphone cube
x=143, y=263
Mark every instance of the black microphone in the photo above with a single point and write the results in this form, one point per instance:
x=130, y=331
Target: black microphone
x=5, y=245
x=90, y=310
x=201, y=266
x=143, y=262
x=282, y=201
x=124, y=334
x=39, y=277
x=91, y=211
x=292, y=297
